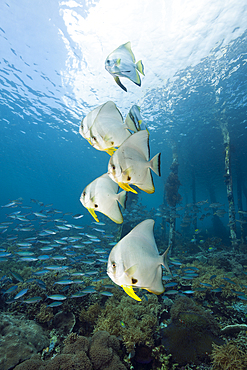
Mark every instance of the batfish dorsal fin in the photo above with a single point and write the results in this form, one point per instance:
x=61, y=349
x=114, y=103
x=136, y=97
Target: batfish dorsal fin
x=139, y=141
x=145, y=230
x=128, y=47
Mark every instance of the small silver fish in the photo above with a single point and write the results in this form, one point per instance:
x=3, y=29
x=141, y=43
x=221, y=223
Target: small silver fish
x=21, y=293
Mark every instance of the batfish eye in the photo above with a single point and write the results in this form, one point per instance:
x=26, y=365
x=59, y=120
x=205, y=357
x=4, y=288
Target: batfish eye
x=94, y=138
x=129, y=178
x=134, y=281
x=113, y=167
x=113, y=265
x=84, y=193
x=108, y=61
x=96, y=205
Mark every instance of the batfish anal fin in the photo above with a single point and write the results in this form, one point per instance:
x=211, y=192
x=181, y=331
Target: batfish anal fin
x=129, y=290
x=116, y=78
x=165, y=263
x=157, y=293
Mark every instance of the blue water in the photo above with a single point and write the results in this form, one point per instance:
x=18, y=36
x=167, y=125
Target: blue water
x=52, y=74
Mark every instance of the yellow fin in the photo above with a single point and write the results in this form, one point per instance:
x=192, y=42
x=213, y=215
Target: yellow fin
x=129, y=290
x=126, y=187
x=150, y=291
x=92, y=212
x=110, y=151
x=140, y=67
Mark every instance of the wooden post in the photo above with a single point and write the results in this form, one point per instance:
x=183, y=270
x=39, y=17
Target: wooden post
x=194, y=199
x=228, y=182
x=240, y=203
x=172, y=196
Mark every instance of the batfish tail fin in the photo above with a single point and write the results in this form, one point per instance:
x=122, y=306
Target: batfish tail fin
x=165, y=263
x=155, y=164
x=122, y=197
x=131, y=124
x=140, y=67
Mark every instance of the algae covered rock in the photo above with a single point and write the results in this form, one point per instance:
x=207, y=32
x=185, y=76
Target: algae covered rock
x=20, y=339
x=191, y=334
x=103, y=350
x=80, y=353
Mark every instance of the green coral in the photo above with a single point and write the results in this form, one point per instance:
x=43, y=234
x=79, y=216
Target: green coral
x=134, y=321
x=228, y=357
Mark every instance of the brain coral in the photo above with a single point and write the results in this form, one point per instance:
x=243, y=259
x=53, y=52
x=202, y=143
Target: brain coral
x=79, y=353
x=20, y=339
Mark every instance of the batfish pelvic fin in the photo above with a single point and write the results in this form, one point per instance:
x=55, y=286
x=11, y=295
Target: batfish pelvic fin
x=130, y=291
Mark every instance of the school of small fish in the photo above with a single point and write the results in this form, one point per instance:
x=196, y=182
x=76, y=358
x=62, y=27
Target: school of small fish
x=54, y=246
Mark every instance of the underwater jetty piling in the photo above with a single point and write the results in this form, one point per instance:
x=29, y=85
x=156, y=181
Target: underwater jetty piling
x=228, y=182
x=172, y=196
x=240, y=204
x=193, y=186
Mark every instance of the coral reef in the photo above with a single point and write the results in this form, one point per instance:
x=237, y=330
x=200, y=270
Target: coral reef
x=228, y=357
x=45, y=314
x=20, y=339
x=103, y=350
x=228, y=283
x=88, y=318
x=190, y=335
x=160, y=358
x=64, y=322
x=134, y=321
x=81, y=354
